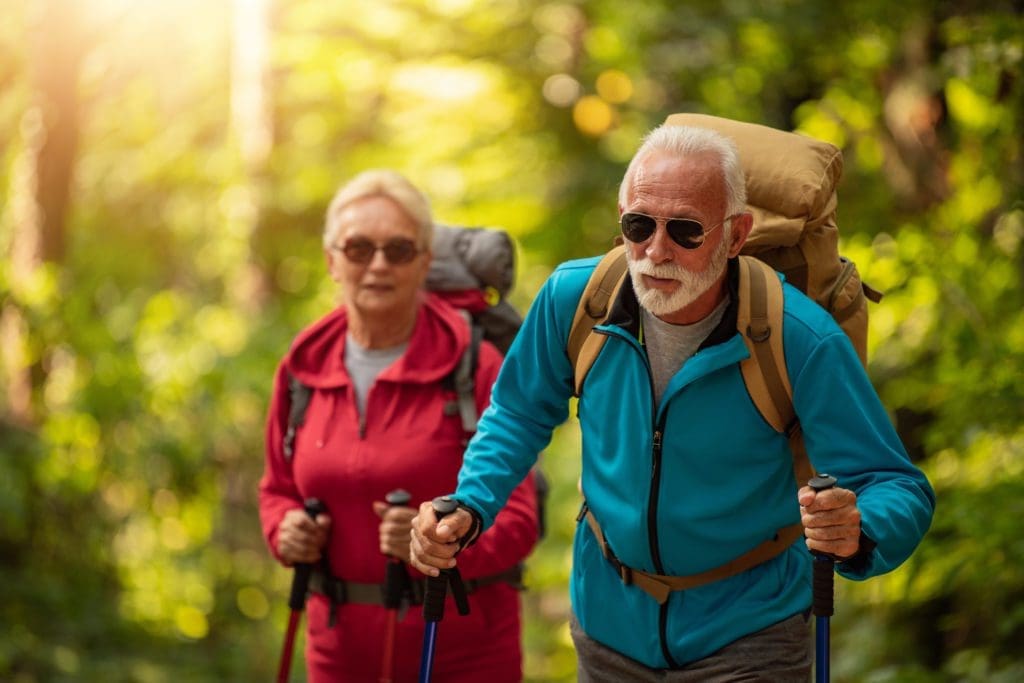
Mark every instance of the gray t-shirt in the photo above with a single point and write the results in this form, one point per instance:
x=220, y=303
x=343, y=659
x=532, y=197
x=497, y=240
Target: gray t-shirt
x=670, y=346
x=364, y=365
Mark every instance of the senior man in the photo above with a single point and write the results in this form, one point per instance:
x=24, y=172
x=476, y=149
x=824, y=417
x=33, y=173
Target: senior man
x=680, y=473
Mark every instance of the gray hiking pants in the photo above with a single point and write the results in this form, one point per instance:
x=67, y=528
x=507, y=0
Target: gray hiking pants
x=780, y=653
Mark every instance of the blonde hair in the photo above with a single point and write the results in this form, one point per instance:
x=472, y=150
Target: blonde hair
x=381, y=183
x=686, y=140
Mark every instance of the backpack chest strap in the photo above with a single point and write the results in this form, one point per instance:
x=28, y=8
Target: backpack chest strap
x=658, y=586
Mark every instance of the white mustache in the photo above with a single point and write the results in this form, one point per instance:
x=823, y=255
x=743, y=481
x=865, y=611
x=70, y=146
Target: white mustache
x=663, y=271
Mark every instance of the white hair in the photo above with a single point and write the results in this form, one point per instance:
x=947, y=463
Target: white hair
x=683, y=141
x=381, y=183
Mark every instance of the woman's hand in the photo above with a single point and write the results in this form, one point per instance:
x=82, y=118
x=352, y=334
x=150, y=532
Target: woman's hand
x=395, y=527
x=300, y=539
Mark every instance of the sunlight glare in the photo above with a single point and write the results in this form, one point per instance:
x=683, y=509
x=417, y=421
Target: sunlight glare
x=437, y=82
x=451, y=7
x=593, y=116
x=561, y=90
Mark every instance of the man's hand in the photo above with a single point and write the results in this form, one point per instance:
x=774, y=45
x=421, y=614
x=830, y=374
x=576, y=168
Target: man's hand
x=433, y=544
x=395, y=528
x=300, y=539
x=831, y=521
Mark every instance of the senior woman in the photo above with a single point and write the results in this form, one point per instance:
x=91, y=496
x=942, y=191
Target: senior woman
x=377, y=421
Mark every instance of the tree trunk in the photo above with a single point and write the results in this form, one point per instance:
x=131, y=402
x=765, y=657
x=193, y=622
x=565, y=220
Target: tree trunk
x=41, y=183
x=252, y=123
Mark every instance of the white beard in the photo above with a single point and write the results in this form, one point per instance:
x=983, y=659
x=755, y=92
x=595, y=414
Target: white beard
x=691, y=284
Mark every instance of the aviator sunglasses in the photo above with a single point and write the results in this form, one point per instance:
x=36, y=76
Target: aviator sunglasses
x=686, y=232
x=361, y=250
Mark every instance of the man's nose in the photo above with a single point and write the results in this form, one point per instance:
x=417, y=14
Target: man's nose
x=659, y=249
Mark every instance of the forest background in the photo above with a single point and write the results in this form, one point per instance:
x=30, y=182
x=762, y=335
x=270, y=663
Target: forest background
x=164, y=170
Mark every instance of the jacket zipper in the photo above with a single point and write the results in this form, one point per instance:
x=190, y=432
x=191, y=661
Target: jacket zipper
x=652, y=514
x=652, y=524
x=360, y=414
x=652, y=505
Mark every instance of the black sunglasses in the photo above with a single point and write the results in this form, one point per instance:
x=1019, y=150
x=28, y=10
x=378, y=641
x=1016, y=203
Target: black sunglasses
x=686, y=232
x=361, y=250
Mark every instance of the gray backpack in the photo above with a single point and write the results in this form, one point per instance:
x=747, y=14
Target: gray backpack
x=474, y=270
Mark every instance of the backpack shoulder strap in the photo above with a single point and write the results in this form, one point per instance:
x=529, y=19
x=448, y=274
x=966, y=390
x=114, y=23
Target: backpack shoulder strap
x=462, y=380
x=465, y=379
x=759, y=321
x=592, y=309
x=298, y=394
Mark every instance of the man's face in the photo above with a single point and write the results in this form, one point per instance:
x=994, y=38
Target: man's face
x=378, y=287
x=669, y=279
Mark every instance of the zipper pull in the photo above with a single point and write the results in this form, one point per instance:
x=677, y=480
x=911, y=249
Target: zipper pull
x=657, y=453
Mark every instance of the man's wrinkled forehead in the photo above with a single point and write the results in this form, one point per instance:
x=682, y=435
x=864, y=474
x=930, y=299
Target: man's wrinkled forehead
x=660, y=175
x=656, y=182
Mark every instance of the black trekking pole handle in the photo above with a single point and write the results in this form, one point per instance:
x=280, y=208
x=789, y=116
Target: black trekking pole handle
x=297, y=598
x=396, y=583
x=823, y=584
x=824, y=563
x=434, y=595
x=303, y=570
x=437, y=586
x=394, y=572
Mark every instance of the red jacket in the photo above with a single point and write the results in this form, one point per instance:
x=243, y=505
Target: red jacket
x=408, y=440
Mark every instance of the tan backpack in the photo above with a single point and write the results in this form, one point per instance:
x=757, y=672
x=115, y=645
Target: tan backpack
x=791, y=192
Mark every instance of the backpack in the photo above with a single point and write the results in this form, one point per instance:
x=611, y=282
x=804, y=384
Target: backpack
x=473, y=269
x=791, y=181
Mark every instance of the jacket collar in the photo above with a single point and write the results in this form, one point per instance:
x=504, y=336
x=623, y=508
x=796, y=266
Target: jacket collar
x=625, y=310
x=439, y=337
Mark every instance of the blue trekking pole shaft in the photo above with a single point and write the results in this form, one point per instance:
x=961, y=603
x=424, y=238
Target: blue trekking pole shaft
x=823, y=589
x=427, y=658
x=433, y=598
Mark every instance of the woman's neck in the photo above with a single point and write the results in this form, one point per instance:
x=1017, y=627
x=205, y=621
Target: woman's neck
x=379, y=331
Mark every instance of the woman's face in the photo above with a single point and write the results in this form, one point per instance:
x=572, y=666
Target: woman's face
x=379, y=286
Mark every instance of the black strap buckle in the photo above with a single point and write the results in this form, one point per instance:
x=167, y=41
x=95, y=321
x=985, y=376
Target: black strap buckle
x=458, y=589
x=625, y=573
x=582, y=512
x=415, y=590
x=337, y=595
x=335, y=590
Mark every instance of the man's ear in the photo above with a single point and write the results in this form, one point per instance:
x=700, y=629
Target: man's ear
x=739, y=231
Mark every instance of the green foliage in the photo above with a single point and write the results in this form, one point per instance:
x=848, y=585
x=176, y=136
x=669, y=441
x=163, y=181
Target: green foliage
x=129, y=542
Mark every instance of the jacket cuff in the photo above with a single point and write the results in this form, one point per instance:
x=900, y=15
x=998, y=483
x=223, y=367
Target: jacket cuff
x=859, y=561
x=473, y=534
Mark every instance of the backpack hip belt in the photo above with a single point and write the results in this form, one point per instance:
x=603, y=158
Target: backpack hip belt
x=341, y=592
x=658, y=586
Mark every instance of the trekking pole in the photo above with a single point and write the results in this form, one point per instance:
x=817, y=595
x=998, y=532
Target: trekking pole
x=297, y=598
x=823, y=583
x=395, y=579
x=434, y=595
